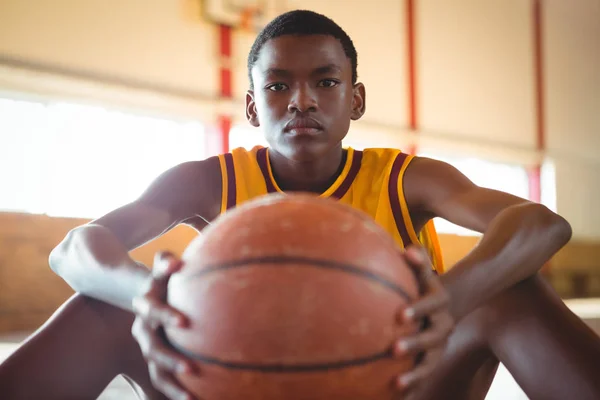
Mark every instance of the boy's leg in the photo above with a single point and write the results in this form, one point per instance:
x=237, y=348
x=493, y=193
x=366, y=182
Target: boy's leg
x=550, y=352
x=76, y=354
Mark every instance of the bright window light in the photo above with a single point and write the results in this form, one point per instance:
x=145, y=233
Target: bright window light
x=504, y=177
x=548, y=181
x=246, y=136
x=82, y=161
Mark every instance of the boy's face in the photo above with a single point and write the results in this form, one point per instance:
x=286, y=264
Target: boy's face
x=303, y=97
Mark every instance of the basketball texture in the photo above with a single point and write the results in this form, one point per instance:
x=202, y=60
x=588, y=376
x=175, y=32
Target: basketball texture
x=292, y=297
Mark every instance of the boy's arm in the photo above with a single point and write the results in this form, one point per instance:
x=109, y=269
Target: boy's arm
x=93, y=259
x=519, y=236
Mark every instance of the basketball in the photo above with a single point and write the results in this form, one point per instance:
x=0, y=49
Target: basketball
x=292, y=297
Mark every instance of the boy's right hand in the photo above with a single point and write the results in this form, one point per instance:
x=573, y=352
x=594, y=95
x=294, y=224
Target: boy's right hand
x=152, y=314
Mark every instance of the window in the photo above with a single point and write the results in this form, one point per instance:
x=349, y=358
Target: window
x=22, y=153
x=548, y=182
x=82, y=161
x=246, y=136
x=499, y=176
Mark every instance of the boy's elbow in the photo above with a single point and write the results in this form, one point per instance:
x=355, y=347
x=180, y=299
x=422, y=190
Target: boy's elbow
x=563, y=230
x=56, y=257
x=59, y=256
x=558, y=227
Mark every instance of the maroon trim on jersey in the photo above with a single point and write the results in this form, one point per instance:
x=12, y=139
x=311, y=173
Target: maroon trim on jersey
x=263, y=163
x=395, y=199
x=231, y=192
x=347, y=182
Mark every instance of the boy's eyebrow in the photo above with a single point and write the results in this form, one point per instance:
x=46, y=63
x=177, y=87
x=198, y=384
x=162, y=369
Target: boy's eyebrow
x=284, y=73
x=277, y=72
x=327, y=69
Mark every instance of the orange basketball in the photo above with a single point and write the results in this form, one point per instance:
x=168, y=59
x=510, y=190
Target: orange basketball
x=292, y=297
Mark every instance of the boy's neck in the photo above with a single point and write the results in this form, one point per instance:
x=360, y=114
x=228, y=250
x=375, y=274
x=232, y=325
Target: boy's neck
x=312, y=176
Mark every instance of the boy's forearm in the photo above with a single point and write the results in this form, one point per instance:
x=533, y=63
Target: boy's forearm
x=519, y=241
x=94, y=263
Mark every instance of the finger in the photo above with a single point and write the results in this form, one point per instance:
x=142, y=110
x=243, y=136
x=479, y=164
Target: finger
x=417, y=256
x=156, y=313
x=423, y=341
x=165, y=264
x=411, y=378
x=153, y=347
x=167, y=384
x=137, y=331
x=426, y=306
x=418, y=260
x=168, y=359
x=154, y=350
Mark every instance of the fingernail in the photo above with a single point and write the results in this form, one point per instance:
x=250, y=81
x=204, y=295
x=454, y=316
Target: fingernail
x=404, y=381
x=175, y=320
x=418, y=254
x=409, y=313
x=402, y=346
x=183, y=368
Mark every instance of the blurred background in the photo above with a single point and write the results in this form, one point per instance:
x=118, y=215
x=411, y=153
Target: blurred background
x=97, y=97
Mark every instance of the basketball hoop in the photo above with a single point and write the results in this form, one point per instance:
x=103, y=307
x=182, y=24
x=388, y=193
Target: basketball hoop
x=248, y=20
x=247, y=15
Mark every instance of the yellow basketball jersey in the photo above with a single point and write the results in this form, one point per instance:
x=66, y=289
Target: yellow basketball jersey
x=371, y=181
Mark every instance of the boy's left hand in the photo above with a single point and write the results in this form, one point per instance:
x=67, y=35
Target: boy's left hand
x=431, y=310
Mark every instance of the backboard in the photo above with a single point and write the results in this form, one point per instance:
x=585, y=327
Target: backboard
x=246, y=14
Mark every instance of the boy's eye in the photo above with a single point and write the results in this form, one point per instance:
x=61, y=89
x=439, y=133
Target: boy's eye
x=277, y=87
x=328, y=83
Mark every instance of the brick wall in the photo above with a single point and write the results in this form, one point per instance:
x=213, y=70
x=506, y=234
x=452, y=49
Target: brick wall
x=29, y=289
x=30, y=292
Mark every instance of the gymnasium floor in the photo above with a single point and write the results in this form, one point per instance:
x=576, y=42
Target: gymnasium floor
x=503, y=388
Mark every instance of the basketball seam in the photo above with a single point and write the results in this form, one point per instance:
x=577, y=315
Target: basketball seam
x=306, y=262
x=285, y=368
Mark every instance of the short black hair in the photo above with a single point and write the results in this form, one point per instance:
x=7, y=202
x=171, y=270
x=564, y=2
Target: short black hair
x=302, y=22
